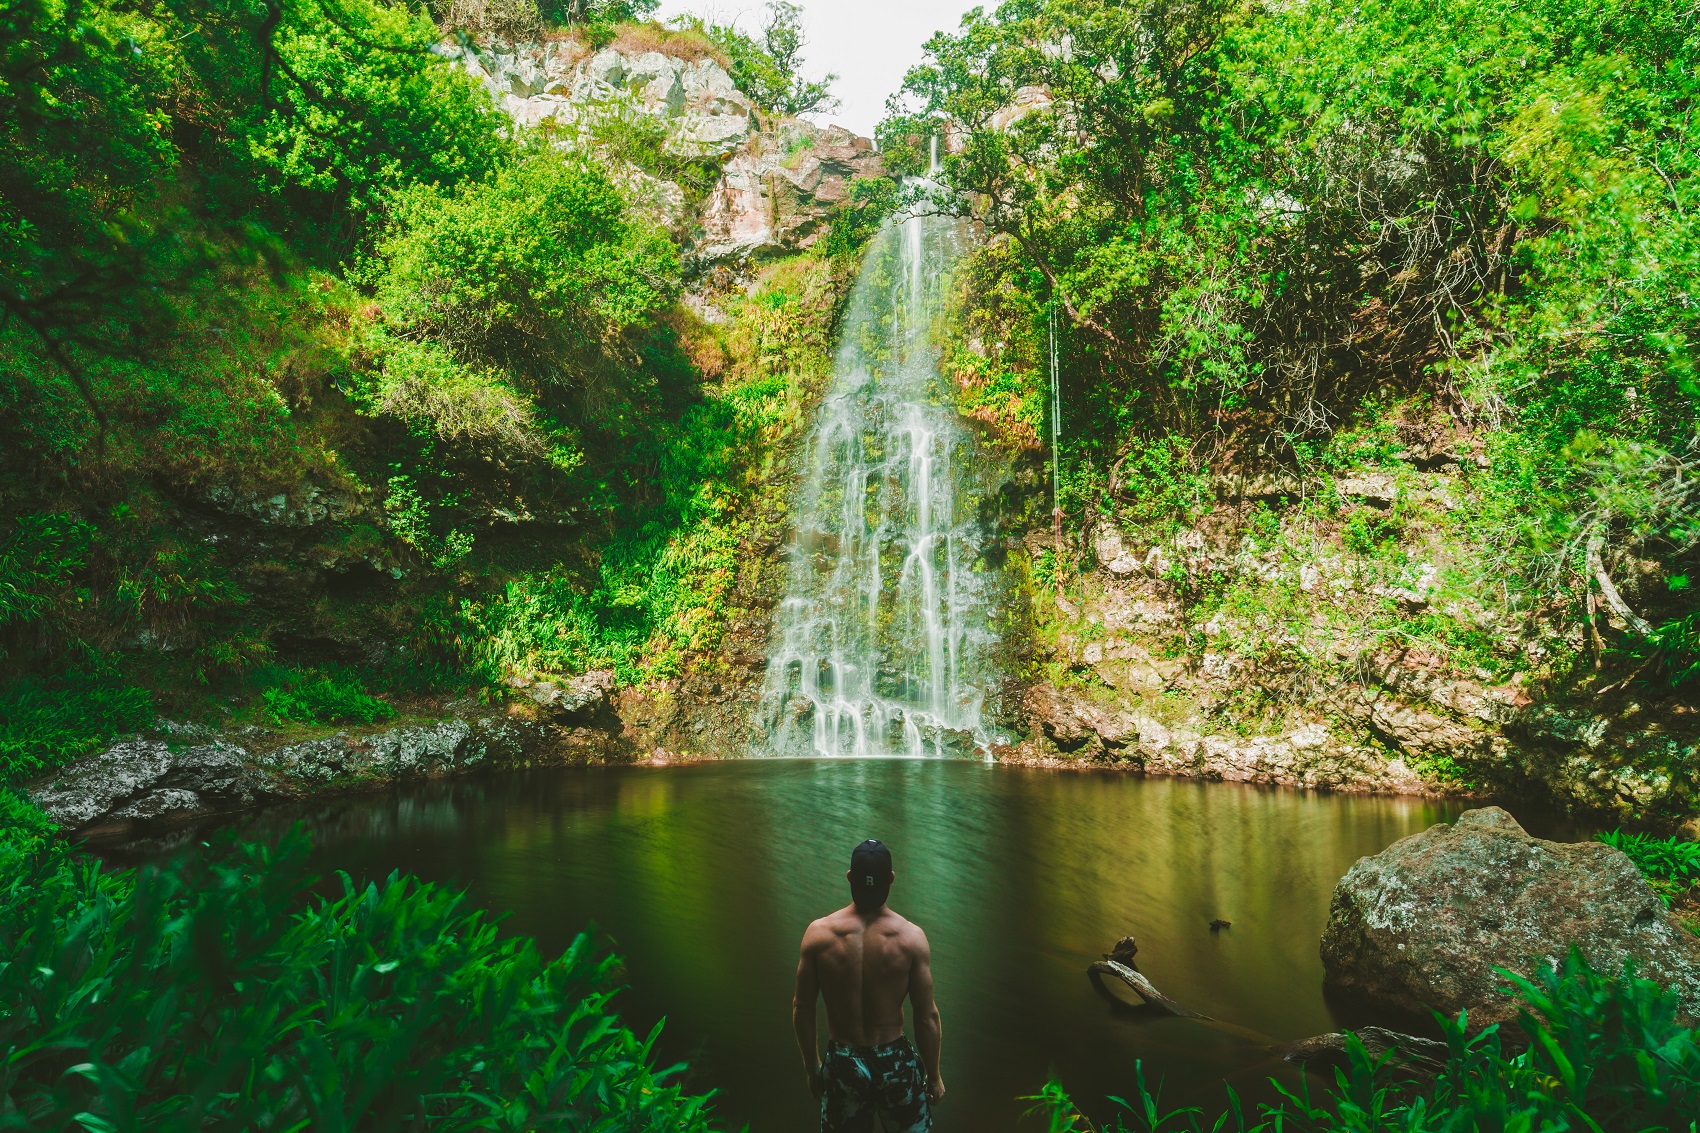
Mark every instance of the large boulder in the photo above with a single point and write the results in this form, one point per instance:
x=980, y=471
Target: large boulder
x=1425, y=923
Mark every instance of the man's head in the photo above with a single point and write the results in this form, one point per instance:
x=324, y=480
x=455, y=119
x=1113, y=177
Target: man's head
x=870, y=875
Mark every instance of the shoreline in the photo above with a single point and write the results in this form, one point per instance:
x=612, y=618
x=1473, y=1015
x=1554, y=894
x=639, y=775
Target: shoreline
x=118, y=836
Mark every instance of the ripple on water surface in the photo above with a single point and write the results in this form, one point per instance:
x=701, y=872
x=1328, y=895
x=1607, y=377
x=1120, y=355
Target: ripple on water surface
x=705, y=876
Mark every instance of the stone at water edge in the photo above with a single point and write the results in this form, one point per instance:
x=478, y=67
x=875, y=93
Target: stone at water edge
x=1424, y=924
x=1328, y=1052
x=140, y=779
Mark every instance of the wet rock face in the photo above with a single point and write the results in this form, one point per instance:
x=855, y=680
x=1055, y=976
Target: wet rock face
x=1424, y=924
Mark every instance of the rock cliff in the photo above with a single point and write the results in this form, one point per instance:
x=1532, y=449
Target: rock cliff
x=775, y=181
x=1252, y=645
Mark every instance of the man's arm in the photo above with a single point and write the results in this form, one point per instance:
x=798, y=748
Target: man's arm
x=803, y=1016
x=929, y=1028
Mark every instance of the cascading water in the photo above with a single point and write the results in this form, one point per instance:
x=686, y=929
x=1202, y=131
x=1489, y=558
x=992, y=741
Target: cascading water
x=879, y=647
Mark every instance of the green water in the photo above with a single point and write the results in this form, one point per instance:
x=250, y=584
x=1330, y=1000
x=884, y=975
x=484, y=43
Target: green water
x=705, y=876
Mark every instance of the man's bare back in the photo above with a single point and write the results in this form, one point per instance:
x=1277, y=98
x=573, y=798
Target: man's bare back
x=865, y=960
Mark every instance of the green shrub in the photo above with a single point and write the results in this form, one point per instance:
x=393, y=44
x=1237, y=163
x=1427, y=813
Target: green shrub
x=21, y=820
x=43, y=725
x=313, y=696
x=1606, y=1054
x=1670, y=865
x=1162, y=479
x=1366, y=531
x=209, y=993
x=1673, y=648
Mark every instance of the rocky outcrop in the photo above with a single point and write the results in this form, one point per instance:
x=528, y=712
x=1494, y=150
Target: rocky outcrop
x=1425, y=924
x=1307, y=756
x=143, y=780
x=1354, y=667
x=391, y=755
x=586, y=699
x=177, y=773
x=777, y=193
x=779, y=179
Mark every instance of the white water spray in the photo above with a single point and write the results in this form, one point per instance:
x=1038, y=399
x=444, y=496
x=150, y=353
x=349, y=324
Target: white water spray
x=878, y=647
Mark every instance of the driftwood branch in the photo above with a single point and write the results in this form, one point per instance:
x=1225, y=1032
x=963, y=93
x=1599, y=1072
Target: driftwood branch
x=1107, y=973
x=1614, y=600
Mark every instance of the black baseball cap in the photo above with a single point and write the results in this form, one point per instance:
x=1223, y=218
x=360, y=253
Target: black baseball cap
x=870, y=874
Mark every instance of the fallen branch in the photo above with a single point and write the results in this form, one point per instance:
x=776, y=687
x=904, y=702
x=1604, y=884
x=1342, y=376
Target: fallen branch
x=1108, y=973
x=1614, y=600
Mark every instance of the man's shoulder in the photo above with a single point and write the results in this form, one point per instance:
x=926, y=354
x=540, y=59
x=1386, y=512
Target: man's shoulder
x=822, y=930
x=906, y=930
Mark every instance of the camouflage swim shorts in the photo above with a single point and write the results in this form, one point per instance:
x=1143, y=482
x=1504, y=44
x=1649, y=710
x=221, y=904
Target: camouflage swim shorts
x=861, y=1083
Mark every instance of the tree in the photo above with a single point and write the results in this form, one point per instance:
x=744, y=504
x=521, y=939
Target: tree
x=769, y=69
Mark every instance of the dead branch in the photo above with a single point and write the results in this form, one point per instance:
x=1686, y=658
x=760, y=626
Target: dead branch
x=1608, y=591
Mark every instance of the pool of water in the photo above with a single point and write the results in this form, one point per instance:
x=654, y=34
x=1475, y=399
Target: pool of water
x=703, y=878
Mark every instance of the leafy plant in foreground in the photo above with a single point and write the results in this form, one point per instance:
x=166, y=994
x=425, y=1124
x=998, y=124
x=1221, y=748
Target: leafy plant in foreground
x=208, y=993
x=1604, y=1054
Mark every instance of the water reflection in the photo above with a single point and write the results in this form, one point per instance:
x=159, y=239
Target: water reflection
x=705, y=876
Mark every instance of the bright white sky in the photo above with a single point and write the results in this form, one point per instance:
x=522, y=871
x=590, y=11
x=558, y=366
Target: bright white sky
x=869, y=44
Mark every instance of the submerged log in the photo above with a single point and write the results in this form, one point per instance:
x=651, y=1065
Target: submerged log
x=1425, y=1057
x=1124, y=984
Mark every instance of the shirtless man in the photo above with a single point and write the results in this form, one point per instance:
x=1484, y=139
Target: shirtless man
x=865, y=959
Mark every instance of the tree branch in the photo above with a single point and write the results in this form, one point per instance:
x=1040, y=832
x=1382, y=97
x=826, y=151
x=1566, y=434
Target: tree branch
x=1614, y=600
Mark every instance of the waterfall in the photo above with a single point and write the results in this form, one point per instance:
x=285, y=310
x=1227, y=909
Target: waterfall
x=879, y=645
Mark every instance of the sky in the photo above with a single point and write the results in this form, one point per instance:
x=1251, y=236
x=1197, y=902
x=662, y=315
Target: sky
x=869, y=44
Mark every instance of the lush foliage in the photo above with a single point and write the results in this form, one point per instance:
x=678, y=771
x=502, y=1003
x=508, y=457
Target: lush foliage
x=1605, y=1054
x=42, y=725
x=311, y=359
x=1672, y=865
x=215, y=991
x=664, y=583
x=174, y=177
x=508, y=321
x=1253, y=220
x=315, y=697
